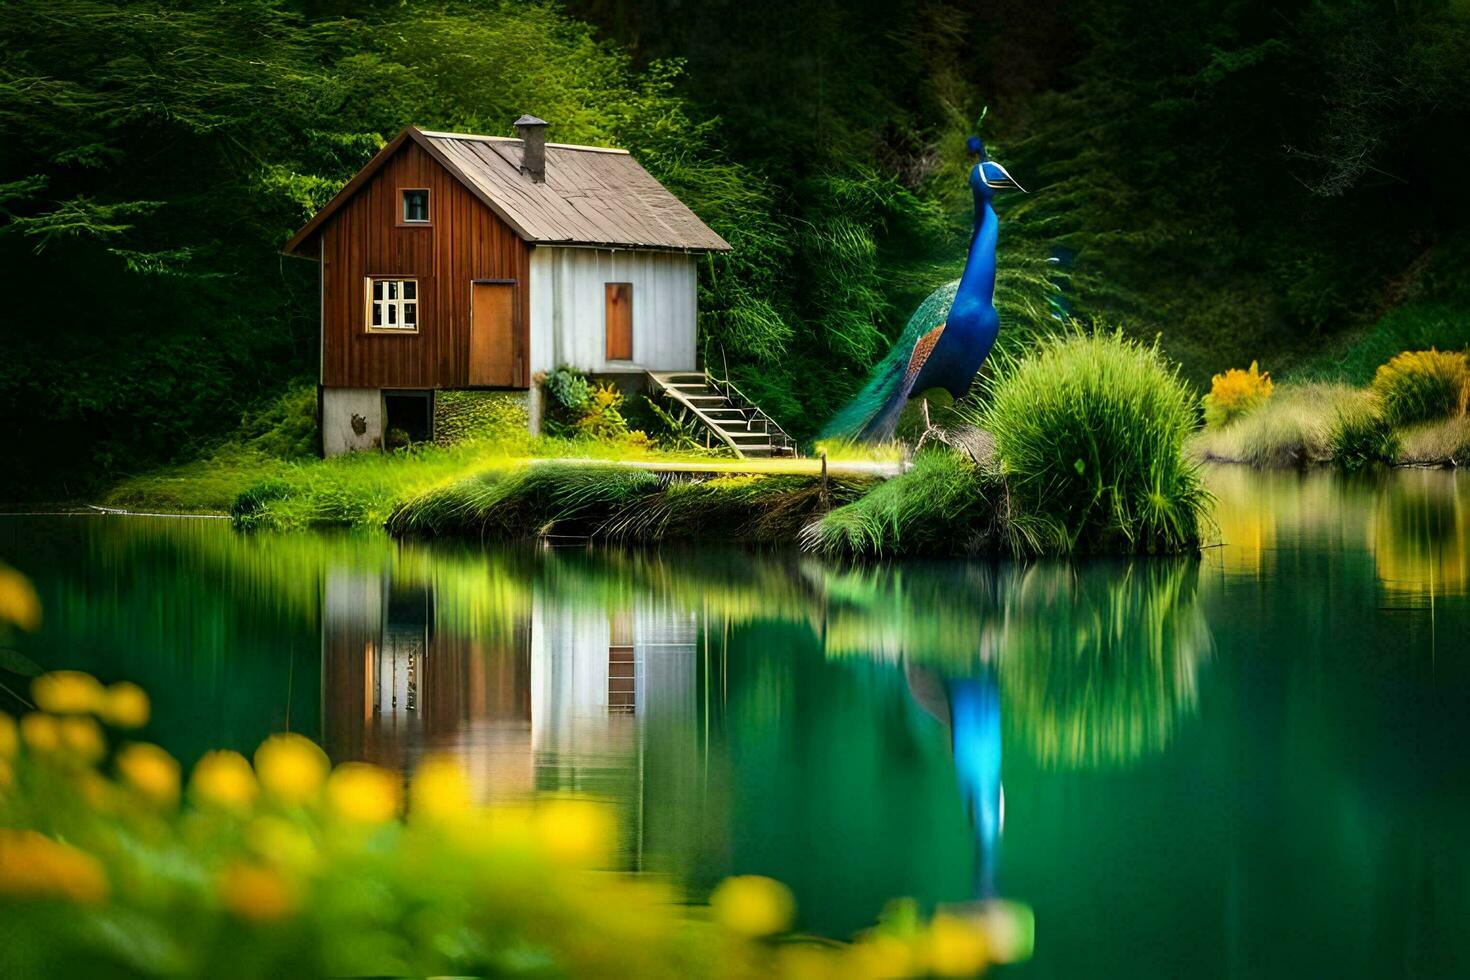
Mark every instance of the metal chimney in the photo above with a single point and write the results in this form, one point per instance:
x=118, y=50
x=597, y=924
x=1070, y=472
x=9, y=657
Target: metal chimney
x=532, y=132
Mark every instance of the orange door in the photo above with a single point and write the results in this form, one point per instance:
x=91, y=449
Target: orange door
x=492, y=334
x=618, y=318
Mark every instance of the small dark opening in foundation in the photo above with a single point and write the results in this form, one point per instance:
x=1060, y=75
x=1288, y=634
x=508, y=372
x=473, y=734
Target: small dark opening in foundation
x=408, y=418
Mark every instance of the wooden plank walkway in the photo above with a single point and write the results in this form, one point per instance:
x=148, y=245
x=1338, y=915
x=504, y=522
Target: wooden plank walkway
x=806, y=466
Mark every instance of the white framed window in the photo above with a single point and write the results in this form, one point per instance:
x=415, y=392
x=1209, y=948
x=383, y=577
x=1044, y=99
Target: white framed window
x=415, y=206
x=392, y=304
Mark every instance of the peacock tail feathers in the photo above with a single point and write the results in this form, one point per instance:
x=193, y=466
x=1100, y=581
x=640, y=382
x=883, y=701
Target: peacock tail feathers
x=888, y=376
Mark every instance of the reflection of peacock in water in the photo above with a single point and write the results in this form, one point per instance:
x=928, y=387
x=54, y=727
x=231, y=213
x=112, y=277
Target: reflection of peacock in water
x=935, y=350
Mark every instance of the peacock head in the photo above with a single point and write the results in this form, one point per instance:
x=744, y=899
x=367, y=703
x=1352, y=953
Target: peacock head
x=987, y=175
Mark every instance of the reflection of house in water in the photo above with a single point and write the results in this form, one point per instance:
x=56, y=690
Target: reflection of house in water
x=554, y=701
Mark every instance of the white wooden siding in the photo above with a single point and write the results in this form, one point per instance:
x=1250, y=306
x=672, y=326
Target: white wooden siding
x=568, y=303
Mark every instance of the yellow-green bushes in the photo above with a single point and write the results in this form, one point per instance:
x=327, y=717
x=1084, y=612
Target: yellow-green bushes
x=1235, y=393
x=1420, y=386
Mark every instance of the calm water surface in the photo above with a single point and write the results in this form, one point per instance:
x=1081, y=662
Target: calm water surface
x=1255, y=764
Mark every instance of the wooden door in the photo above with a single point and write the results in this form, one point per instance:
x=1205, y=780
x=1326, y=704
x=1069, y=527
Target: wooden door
x=492, y=334
x=618, y=320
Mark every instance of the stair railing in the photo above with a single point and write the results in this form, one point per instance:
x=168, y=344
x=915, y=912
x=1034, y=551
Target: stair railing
x=779, y=438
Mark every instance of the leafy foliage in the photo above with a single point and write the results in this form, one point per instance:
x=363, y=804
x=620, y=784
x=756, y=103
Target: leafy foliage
x=1280, y=181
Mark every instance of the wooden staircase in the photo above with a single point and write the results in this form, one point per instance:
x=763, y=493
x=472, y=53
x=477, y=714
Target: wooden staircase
x=726, y=414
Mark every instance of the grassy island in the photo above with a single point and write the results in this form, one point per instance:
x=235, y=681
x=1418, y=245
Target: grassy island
x=1077, y=447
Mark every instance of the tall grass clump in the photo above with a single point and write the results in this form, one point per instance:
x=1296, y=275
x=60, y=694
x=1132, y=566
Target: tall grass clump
x=1421, y=386
x=946, y=504
x=1090, y=432
x=1360, y=433
x=1301, y=424
x=1235, y=393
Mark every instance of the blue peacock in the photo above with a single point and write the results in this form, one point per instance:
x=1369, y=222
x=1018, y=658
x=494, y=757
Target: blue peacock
x=938, y=350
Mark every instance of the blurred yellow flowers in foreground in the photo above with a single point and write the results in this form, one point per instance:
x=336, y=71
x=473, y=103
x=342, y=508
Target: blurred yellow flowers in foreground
x=291, y=867
x=65, y=692
x=362, y=793
x=255, y=894
x=753, y=906
x=125, y=706
x=33, y=866
x=291, y=768
x=151, y=771
x=18, y=601
x=224, y=779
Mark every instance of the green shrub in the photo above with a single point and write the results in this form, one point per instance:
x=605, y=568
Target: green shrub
x=602, y=416
x=1090, y=431
x=1420, y=386
x=944, y=505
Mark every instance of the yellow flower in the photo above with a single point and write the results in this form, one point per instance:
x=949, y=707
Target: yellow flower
x=255, y=894
x=363, y=793
x=440, y=792
x=291, y=768
x=224, y=780
x=82, y=738
x=125, y=705
x=806, y=961
x=578, y=832
x=1235, y=393
x=282, y=843
x=18, y=601
x=9, y=737
x=151, y=771
x=100, y=793
x=753, y=906
x=32, y=866
x=67, y=692
x=956, y=947
x=880, y=956
x=7, y=774
x=40, y=732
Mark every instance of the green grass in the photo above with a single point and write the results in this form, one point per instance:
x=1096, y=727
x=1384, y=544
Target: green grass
x=1435, y=443
x=618, y=505
x=1295, y=426
x=1090, y=431
x=357, y=489
x=1353, y=359
x=944, y=505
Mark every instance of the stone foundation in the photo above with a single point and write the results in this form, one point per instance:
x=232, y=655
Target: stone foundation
x=352, y=420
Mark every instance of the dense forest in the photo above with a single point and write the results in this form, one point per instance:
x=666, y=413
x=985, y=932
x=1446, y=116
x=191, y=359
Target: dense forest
x=1280, y=181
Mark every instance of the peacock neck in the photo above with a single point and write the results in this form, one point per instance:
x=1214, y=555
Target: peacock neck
x=978, y=281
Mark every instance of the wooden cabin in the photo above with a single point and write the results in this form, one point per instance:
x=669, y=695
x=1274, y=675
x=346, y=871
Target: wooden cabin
x=454, y=261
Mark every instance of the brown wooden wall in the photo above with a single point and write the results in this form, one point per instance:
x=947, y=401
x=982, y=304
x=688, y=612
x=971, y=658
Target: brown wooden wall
x=464, y=241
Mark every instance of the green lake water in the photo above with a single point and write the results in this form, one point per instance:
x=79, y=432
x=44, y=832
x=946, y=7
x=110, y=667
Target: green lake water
x=1254, y=764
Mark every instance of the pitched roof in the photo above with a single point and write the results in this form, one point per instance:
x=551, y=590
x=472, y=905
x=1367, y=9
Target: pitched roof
x=591, y=195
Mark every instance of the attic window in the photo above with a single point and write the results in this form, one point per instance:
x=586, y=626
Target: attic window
x=416, y=206
x=393, y=305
